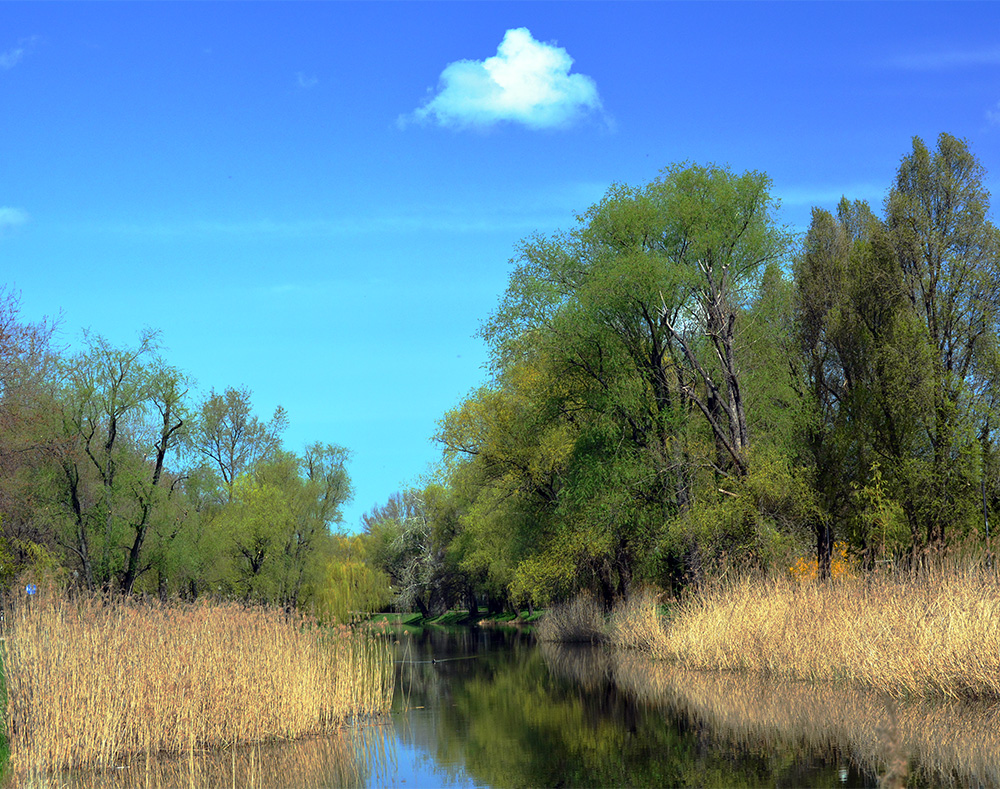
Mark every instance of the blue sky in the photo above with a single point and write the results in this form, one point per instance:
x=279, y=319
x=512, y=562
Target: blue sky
x=319, y=201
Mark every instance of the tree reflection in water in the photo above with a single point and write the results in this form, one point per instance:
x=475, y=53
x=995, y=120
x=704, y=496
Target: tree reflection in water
x=518, y=715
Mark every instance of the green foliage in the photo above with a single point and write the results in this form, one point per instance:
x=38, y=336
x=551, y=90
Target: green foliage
x=351, y=586
x=274, y=536
x=618, y=391
x=666, y=395
x=111, y=473
x=897, y=322
x=880, y=517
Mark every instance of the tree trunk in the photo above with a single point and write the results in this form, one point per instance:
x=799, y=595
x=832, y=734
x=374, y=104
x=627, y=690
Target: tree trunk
x=824, y=548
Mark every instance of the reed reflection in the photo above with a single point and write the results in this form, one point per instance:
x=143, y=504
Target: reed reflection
x=939, y=743
x=505, y=717
x=356, y=757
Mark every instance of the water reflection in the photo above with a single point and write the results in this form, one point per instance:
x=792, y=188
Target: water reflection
x=491, y=709
x=517, y=716
x=940, y=743
x=511, y=714
x=357, y=757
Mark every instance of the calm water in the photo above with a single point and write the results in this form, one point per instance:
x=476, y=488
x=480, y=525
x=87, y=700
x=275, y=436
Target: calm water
x=490, y=708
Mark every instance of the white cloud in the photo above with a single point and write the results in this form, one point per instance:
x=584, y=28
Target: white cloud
x=526, y=82
x=11, y=57
x=993, y=116
x=305, y=82
x=11, y=218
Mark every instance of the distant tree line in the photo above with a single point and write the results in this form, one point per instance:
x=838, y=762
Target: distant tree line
x=678, y=383
x=117, y=477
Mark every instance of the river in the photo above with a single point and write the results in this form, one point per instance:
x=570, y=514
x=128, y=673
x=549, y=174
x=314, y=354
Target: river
x=491, y=708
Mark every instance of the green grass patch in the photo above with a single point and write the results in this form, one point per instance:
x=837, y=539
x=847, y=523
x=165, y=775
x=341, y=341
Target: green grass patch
x=451, y=619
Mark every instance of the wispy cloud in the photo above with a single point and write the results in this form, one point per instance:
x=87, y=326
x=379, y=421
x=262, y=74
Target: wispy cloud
x=526, y=82
x=11, y=57
x=946, y=59
x=306, y=82
x=993, y=115
x=11, y=218
x=544, y=210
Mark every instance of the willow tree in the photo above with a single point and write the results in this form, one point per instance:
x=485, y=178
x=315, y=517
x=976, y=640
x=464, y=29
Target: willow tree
x=122, y=416
x=720, y=232
x=635, y=318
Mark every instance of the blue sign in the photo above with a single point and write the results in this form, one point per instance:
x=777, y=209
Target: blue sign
x=31, y=588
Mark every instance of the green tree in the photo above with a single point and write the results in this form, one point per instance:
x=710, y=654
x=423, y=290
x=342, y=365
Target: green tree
x=949, y=254
x=634, y=320
x=276, y=532
x=897, y=323
x=231, y=438
x=351, y=584
x=122, y=414
x=28, y=365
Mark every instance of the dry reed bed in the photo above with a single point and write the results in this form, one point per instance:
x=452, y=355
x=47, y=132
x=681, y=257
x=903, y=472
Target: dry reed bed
x=633, y=624
x=929, y=634
x=94, y=682
x=579, y=620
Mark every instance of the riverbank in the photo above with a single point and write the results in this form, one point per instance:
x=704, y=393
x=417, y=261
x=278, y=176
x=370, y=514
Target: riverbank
x=94, y=682
x=927, y=634
x=460, y=618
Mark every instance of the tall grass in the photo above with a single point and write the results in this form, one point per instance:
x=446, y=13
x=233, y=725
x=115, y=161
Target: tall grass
x=96, y=682
x=934, y=633
x=351, y=759
x=928, y=633
x=634, y=623
x=637, y=623
x=579, y=620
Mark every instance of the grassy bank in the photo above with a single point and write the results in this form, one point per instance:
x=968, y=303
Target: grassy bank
x=93, y=682
x=905, y=634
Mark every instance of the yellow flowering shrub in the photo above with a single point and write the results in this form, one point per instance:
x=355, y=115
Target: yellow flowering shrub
x=841, y=565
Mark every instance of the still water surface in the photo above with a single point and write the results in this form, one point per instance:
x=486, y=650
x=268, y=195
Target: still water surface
x=490, y=708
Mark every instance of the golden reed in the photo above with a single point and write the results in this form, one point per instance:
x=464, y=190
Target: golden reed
x=929, y=633
x=934, y=633
x=95, y=682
